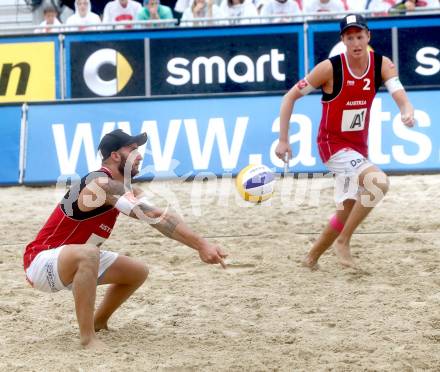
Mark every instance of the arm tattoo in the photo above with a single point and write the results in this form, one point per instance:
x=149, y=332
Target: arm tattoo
x=164, y=222
x=168, y=225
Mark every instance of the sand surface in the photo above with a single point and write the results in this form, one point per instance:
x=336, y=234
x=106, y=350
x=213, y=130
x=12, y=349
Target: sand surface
x=265, y=312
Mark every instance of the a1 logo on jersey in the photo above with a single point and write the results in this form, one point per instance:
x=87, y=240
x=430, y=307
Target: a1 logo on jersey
x=353, y=120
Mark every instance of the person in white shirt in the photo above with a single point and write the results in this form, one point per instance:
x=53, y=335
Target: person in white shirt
x=83, y=17
x=121, y=11
x=284, y=8
x=313, y=6
x=50, y=20
x=357, y=5
x=239, y=9
x=380, y=6
x=182, y=5
x=201, y=9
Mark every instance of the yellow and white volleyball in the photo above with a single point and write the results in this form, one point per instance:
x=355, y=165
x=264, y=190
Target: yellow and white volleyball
x=255, y=183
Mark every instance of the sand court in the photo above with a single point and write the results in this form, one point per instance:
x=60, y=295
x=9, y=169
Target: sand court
x=265, y=312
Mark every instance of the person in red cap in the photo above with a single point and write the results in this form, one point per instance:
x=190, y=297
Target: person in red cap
x=66, y=253
x=349, y=82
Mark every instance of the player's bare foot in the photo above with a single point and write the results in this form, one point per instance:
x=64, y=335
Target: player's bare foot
x=344, y=255
x=310, y=263
x=93, y=344
x=100, y=325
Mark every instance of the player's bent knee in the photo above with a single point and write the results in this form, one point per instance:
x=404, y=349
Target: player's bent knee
x=382, y=183
x=88, y=254
x=142, y=273
x=136, y=272
x=386, y=186
x=376, y=183
x=145, y=273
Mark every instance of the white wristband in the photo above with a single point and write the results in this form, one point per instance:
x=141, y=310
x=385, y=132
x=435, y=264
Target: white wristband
x=126, y=203
x=393, y=85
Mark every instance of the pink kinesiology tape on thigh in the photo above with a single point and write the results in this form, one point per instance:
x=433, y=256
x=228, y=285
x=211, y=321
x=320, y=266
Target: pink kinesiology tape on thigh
x=336, y=223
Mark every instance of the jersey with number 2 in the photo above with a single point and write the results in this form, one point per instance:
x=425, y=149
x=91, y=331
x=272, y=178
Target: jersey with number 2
x=346, y=111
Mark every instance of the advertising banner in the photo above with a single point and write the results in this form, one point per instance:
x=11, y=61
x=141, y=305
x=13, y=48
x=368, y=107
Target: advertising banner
x=27, y=71
x=107, y=69
x=184, y=62
x=218, y=135
x=224, y=64
x=9, y=144
x=419, y=56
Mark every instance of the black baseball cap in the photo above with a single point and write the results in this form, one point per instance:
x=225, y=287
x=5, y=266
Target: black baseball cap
x=113, y=141
x=353, y=20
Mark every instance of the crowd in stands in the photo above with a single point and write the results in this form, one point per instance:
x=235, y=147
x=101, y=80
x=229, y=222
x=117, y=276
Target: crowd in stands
x=74, y=15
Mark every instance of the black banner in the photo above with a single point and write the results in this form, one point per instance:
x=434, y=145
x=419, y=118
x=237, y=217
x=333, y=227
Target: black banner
x=419, y=57
x=327, y=44
x=224, y=64
x=107, y=69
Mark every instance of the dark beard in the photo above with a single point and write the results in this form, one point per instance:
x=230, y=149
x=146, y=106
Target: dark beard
x=122, y=165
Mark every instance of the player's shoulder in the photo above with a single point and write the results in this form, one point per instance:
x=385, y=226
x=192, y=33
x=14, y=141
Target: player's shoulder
x=320, y=74
x=385, y=60
x=387, y=65
x=97, y=174
x=99, y=178
x=324, y=67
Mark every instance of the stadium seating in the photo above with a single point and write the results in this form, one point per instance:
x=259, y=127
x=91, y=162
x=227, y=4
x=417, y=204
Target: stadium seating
x=15, y=13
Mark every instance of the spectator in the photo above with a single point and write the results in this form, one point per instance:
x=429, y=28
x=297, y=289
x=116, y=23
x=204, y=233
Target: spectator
x=121, y=11
x=410, y=5
x=201, y=9
x=182, y=5
x=357, y=5
x=239, y=9
x=50, y=20
x=259, y=4
x=380, y=6
x=314, y=6
x=154, y=10
x=413, y=4
x=83, y=17
x=284, y=8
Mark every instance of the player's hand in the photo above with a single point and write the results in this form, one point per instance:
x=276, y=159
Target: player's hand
x=153, y=11
x=407, y=117
x=281, y=150
x=212, y=254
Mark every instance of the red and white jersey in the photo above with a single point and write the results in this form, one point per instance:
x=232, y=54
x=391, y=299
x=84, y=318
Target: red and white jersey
x=114, y=12
x=69, y=225
x=346, y=112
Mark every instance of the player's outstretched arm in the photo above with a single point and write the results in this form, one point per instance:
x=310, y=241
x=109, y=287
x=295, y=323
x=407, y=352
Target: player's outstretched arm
x=320, y=75
x=397, y=91
x=165, y=221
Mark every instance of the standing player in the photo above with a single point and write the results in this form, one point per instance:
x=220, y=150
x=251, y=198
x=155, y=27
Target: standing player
x=66, y=253
x=349, y=83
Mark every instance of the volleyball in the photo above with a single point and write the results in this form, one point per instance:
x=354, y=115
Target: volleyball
x=255, y=183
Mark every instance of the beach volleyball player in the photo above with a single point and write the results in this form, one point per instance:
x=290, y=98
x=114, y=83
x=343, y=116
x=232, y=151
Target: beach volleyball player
x=66, y=253
x=349, y=82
